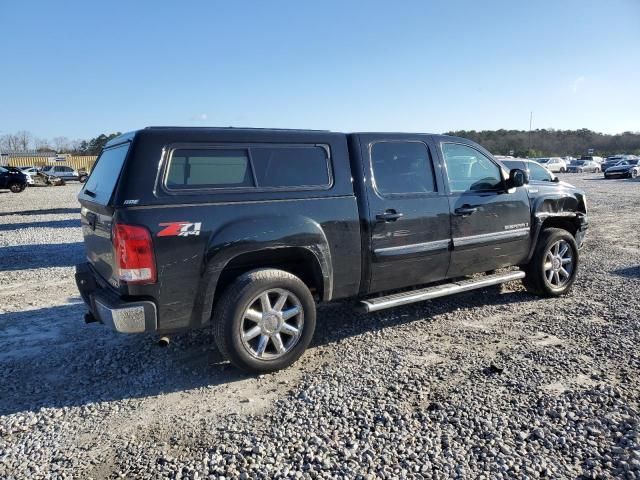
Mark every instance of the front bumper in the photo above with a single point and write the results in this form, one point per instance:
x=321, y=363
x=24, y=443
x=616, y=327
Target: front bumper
x=618, y=173
x=581, y=233
x=124, y=316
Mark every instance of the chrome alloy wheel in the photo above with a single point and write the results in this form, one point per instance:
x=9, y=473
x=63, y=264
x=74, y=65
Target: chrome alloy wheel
x=558, y=264
x=272, y=324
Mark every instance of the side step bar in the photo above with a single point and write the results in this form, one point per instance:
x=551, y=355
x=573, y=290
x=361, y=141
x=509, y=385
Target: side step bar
x=397, y=299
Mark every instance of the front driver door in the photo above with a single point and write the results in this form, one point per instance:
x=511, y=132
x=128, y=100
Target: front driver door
x=489, y=224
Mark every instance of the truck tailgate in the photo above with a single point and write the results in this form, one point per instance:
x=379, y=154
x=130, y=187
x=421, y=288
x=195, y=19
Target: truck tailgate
x=97, y=210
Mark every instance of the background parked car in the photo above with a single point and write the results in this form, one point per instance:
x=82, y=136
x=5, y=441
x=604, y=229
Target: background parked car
x=535, y=171
x=584, y=166
x=616, y=159
x=30, y=172
x=64, y=172
x=593, y=158
x=625, y=168
x=553, y=164
x=13, y=179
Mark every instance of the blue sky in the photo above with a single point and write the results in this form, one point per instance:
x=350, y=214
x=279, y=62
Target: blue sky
x=80, y=68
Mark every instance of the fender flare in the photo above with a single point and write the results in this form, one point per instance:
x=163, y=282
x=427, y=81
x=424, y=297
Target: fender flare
x=562, y=205
x=253, y=234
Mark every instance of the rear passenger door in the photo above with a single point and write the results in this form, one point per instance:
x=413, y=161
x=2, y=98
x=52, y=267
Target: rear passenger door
x=408, y=212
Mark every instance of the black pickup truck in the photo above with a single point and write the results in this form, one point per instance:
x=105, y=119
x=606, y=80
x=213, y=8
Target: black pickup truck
x=247, y=229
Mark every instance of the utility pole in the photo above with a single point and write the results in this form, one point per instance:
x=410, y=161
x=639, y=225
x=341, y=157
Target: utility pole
x=530, y=122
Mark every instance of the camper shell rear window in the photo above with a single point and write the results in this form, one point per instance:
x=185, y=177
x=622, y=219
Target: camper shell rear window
x=104, y=176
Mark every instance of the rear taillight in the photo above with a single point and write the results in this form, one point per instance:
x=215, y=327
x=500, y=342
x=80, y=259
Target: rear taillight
x=133, y=251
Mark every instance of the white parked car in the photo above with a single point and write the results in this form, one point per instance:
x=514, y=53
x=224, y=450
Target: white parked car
x=553, y=164
x=30, y=172
x=592, y=158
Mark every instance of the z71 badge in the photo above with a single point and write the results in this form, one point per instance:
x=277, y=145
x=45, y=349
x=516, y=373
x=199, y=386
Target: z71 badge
x=180, y=229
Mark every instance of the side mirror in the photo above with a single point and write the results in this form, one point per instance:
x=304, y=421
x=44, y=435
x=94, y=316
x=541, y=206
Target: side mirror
x=517, y=178
x=555, y=179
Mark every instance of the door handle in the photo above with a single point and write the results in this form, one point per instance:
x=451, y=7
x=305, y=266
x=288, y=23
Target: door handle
x=388, y=216
x=466, y=210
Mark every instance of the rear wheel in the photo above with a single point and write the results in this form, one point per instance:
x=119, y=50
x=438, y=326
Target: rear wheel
x=633, y=173
x=562, y=170
x=554, y=265
x=264, y=320
x=16, y=187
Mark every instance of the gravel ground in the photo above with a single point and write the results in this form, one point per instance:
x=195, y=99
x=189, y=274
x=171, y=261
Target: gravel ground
x=496, y=384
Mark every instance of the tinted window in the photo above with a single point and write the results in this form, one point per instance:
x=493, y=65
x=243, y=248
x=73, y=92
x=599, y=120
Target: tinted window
x=290, y=166
x=468, y=169
x=511, y=164
x=213, y=168
x=536, y=172
x=402, y=167
x=105, y=173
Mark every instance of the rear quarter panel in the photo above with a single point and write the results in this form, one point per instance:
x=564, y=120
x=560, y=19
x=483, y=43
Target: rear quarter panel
x=323, y=221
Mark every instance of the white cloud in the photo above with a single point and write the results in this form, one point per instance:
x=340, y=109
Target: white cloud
x=201, y=117
x=577, y=84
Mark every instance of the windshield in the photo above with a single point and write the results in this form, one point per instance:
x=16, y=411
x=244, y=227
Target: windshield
x=105, y=174
x=543, y=160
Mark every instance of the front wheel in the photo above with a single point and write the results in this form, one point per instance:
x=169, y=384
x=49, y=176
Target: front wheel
x=264, y=320
x=554, y=265
x=562, y=170
x=633, y=174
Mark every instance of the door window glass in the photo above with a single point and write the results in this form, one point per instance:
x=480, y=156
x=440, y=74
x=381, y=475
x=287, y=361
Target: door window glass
x=468, y=169
x=536, y=172
x=402, y=167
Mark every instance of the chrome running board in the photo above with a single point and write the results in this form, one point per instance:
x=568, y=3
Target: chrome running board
x=397, y=299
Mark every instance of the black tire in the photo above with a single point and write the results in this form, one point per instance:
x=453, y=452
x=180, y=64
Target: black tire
x=229, y=317
x=16, y=187
x=562, y=170
x=536, y=280
x=633, y=173
x=82, y=178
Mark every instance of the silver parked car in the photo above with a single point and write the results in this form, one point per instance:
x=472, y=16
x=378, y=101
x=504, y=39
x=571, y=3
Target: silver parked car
x=584, y=166
x=64, y=172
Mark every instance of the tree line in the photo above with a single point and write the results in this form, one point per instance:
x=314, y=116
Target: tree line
x=550, y=142
x=24, y=141
x=537, y=143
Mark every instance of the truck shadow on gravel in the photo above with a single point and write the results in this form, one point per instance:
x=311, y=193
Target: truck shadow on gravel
x=628, y=272
x=27, y=257
x=49, y=211
x=7, y=227
x=51, y=359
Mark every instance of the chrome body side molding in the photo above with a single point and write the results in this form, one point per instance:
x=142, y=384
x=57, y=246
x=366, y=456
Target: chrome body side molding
x=493, y=237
